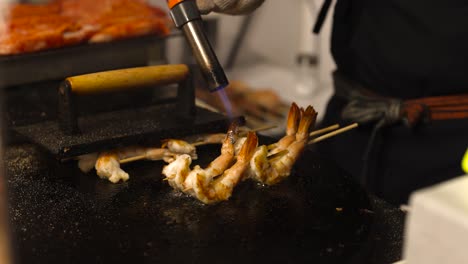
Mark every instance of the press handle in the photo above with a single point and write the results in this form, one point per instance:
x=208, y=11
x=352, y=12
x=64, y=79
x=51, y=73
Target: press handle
x=124, y=79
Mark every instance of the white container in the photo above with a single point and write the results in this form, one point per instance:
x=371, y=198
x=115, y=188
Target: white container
x=437, y=225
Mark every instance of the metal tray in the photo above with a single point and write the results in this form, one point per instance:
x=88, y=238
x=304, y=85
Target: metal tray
x=57, y=64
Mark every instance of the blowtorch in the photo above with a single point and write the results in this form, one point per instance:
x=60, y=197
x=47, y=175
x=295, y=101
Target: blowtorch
x=187, y=18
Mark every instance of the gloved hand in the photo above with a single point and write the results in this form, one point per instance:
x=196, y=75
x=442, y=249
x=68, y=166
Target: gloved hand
x=233, y=7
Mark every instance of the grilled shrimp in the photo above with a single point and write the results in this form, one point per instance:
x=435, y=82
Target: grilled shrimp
x=108, y=166
x=211, y=191
x=294, y=116
x=281, y=168
x=108, y=162
x=259, y=162
x=221, y=163
x=272, y=171
x=176, y=147
x=259, y=165
x=178, y=171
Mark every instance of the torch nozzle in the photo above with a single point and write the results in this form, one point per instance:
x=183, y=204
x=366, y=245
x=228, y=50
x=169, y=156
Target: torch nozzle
x=187, y=17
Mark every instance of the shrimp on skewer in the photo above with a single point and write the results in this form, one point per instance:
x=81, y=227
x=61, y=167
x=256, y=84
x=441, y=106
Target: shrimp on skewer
x=209, y=190
x=178, y=172
x=216, y=182
x=221, y=163
x=294, y=116
x=281, y=168
x=260, y=162
x=108, y=166
x=224, y=185
x=261, y=154
x=174, y=147
x=272, y=171
x=108, y=163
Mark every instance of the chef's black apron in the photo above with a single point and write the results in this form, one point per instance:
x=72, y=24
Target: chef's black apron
x=404, y=49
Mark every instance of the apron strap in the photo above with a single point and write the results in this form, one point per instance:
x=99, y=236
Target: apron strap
x=365, y=107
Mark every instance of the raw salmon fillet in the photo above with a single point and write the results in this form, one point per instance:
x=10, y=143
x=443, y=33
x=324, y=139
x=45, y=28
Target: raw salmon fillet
x=30, y=28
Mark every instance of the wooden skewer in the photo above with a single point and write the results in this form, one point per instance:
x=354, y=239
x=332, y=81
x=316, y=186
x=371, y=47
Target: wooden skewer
x=323, y=130
x=196, y=144
x=132, y=159
x=334, y=133
x=277, y=155
x=253, y=121
x=313, y=133
x=263, y=128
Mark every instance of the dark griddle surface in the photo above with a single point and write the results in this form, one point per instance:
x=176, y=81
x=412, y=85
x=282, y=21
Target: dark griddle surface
x=146, y=125
x=60, y=215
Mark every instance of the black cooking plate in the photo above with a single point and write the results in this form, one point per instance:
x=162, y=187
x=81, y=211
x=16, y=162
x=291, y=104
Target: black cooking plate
x=60, y=215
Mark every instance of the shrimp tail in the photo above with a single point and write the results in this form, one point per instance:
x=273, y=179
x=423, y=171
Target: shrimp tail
x=249, y=147
x=225, y=184
x=307, y=121
x=294, y=116
x=232, y=132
